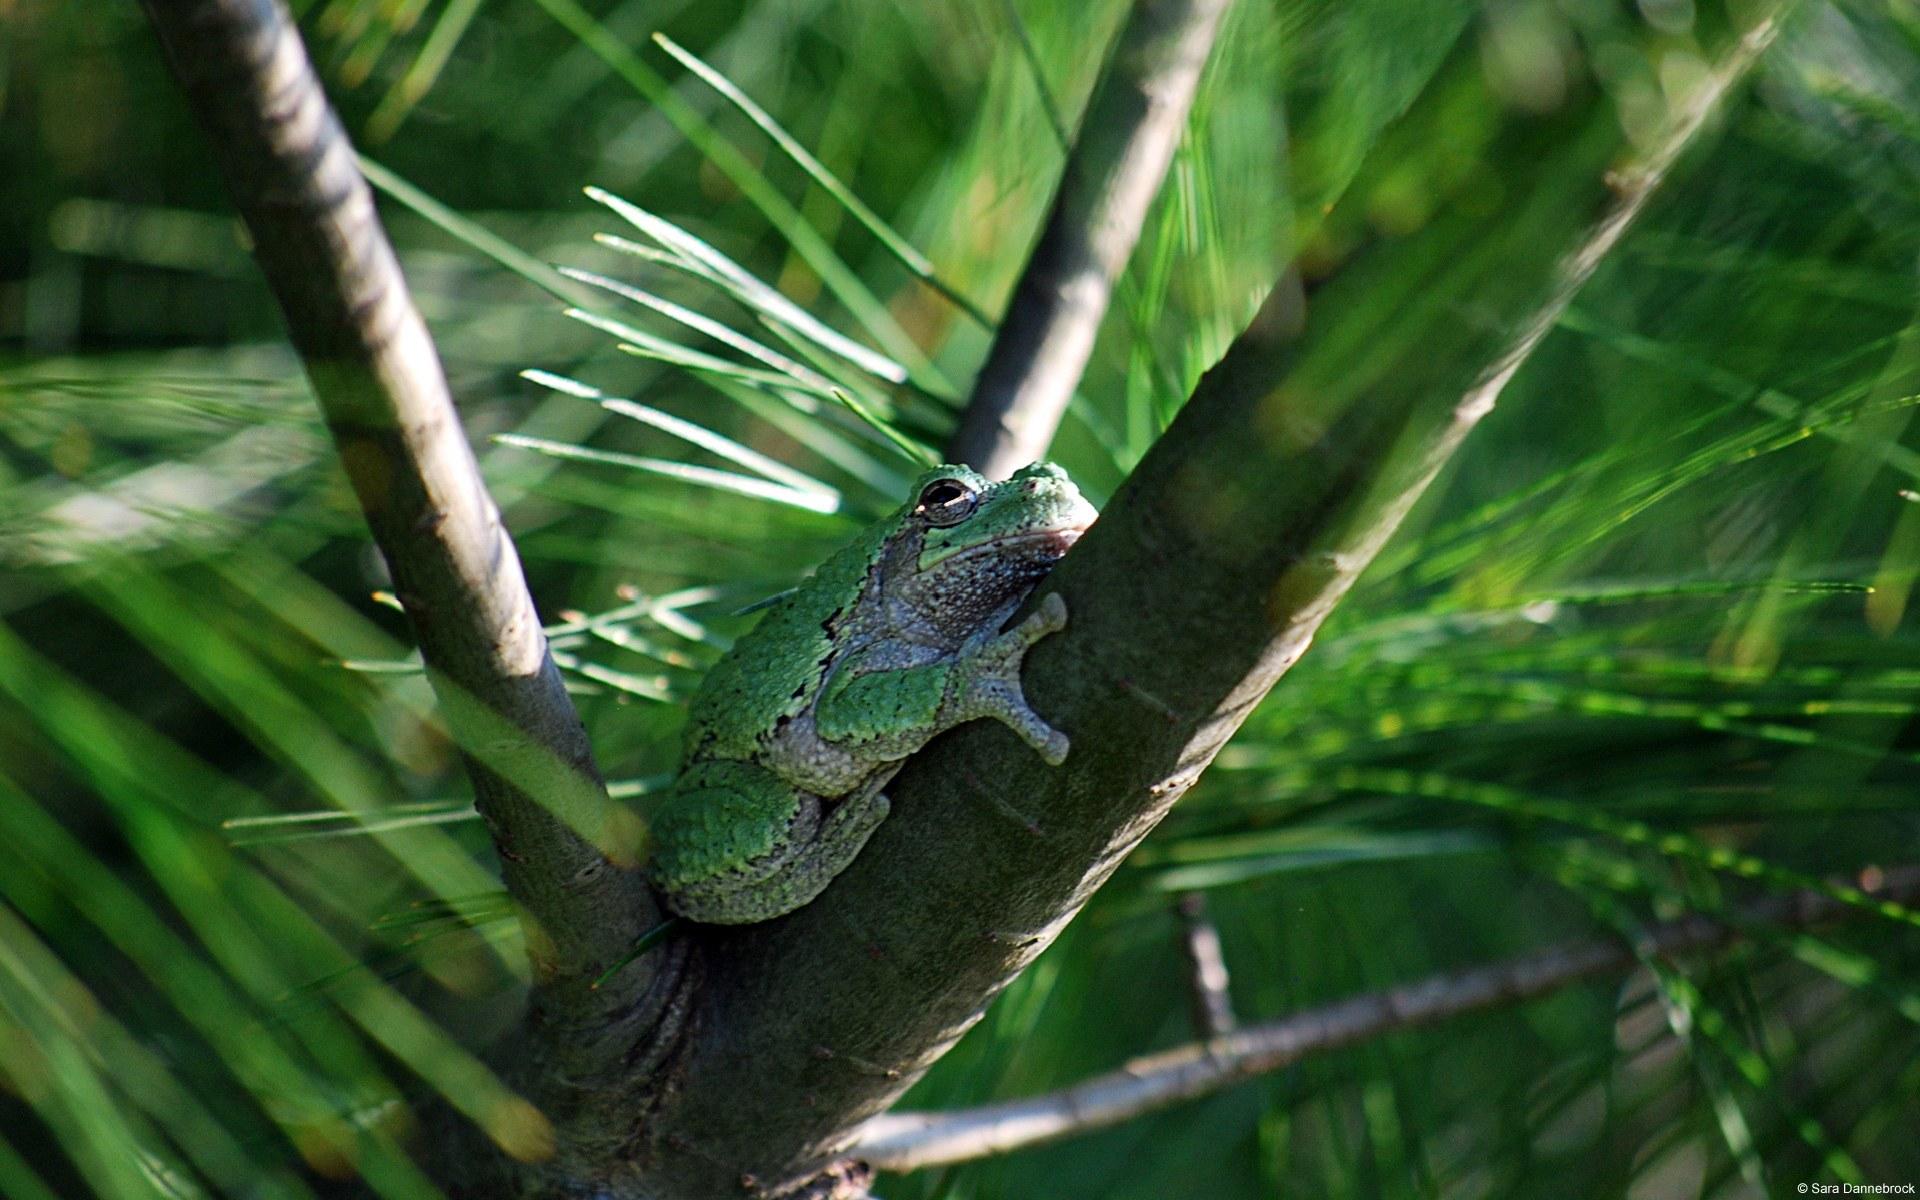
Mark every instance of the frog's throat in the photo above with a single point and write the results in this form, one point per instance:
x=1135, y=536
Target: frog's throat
x=1060, y=540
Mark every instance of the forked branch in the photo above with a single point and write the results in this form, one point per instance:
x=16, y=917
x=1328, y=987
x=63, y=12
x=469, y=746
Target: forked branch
x=907, y=1141
x=1202, y=583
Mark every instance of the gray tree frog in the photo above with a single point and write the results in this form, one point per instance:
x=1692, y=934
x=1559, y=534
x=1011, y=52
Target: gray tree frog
x=894, y=640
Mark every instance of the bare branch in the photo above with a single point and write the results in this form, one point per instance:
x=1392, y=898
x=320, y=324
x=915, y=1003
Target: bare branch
x=910, y=1141
x=1207, y=978
x=568, y=855
x=1126, y=141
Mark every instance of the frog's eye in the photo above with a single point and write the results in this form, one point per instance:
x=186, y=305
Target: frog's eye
x=946, y=502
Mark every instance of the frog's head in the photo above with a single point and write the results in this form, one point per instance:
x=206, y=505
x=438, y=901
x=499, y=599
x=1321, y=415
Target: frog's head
x=983, y=544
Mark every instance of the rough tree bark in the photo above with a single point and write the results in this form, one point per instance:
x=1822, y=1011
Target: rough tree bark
x=754, y=1068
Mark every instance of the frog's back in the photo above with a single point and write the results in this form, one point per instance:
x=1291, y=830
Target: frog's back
x=775, y=669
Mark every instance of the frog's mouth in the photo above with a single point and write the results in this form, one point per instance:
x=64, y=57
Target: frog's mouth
x=1059, y=541
x=1041, y=546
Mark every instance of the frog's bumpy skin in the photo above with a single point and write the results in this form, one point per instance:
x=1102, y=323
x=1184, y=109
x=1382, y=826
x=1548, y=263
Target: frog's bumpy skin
x=805, y=868
x=805, y=862
x=894, y=640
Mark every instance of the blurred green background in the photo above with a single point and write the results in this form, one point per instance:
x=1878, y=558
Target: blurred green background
x=1646, y=648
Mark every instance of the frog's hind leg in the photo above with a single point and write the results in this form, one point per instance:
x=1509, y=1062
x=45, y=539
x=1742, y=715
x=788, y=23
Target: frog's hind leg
x=806, y=871
x=727, y=898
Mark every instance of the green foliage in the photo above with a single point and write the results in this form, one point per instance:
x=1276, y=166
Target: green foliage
x=1646, y=650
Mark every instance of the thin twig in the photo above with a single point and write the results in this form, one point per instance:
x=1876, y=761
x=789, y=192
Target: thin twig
x=909, y=1141
x=1119, y=159
x=1211, y=1002
x=568, y=854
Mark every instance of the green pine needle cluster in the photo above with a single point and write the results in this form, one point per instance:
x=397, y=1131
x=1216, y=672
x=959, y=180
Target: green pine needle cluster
x=1648, y=649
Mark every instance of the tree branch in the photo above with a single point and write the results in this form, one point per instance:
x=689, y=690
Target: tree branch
x=911, y=1141
x=1205, y=580
x=1126, y=140
x=568, y=856
x=1207, y=993
x=1297, y=457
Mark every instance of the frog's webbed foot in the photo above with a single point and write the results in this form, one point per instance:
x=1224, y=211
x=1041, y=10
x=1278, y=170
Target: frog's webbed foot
x=993, y=684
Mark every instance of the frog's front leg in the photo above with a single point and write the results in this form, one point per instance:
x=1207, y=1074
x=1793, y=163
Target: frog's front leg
x=990, y=680
x=876, y=712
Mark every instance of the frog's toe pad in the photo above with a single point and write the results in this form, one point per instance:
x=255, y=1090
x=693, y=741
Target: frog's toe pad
x=1050, y=617
x=1054, y=749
